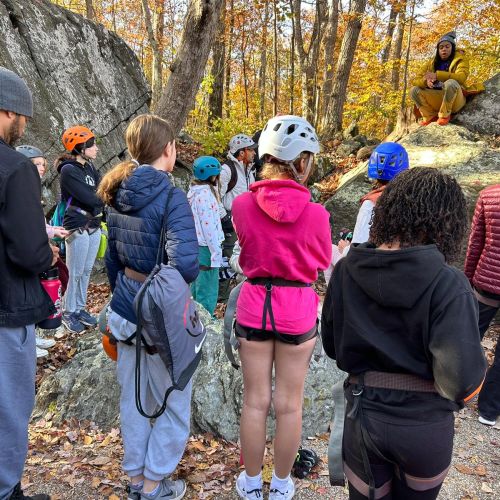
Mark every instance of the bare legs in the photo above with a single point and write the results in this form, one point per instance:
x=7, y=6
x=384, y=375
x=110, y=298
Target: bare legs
x=291, y=364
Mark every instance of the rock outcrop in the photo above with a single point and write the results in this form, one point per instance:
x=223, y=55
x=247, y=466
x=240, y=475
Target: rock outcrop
x=464, y=149
x=86, y=388
x=79, y=73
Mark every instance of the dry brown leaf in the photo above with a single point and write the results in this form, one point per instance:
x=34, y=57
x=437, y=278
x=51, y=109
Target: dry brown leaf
x=100, y=461
x=486, y=488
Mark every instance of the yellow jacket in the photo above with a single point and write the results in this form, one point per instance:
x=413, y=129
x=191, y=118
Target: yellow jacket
x=459, y=71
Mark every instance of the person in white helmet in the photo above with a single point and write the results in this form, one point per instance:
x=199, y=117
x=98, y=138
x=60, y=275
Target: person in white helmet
x=236, y=175
x=284, y=239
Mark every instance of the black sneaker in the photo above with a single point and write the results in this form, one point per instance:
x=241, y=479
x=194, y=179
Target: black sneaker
x=86, y=318
x=18, y=494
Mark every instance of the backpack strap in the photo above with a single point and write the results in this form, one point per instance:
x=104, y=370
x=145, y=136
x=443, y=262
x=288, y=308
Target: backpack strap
x=230, y=340
x=234, y=175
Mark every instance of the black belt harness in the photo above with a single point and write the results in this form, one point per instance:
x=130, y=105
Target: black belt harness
x=268, y=284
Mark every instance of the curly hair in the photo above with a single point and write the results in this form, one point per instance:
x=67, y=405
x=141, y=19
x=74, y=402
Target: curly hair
x=421, y=206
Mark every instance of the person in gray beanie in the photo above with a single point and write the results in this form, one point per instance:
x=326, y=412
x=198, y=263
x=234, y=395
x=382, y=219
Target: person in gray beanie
x=25, y=252
x=440, y=88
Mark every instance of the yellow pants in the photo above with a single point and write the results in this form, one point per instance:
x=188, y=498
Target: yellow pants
x=432, y=102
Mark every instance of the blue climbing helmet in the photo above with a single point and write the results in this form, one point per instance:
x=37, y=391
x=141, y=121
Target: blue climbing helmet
x=387, y=160
x=206, y=166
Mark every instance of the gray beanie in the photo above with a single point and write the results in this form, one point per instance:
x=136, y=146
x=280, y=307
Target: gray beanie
x=449, y=37
x=15, y=95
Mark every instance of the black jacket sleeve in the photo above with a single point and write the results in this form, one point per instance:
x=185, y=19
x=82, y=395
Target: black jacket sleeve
x=458, y=361
x=328, y=321
x=113, y=263
x=73, y=183
x=23, y=223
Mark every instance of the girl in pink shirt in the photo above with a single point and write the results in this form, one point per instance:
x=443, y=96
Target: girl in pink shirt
x=285, y=239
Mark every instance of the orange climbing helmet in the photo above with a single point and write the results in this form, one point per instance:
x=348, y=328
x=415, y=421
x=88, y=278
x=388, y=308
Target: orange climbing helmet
x=75, y=136
x=109, y=346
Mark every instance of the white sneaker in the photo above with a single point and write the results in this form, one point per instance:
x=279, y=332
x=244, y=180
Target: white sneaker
x=44, y=343
x=41, y=353
x=241, y=483
x=275, y=494
x=485, y=421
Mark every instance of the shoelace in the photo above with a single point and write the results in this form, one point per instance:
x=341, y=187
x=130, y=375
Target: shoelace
x=275, y=490
x=257, y=491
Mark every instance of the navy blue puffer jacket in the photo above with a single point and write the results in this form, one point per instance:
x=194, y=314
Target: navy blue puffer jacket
x=134, y=225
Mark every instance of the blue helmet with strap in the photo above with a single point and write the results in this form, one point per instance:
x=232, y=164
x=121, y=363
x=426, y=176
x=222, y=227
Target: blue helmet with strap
x=387, y=160
x=206, y=166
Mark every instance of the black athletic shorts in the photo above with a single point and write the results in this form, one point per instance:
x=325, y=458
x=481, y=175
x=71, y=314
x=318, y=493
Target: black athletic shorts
x=248, y=333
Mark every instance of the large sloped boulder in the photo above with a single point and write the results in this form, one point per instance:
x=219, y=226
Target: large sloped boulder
x=462, y=149
x=79, y=73
x=86, y=388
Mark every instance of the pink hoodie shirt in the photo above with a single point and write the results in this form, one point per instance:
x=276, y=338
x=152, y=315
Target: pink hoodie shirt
x=282, y=235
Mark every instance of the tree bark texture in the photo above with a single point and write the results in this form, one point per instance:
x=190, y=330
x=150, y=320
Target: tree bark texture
x=398, y=47
x=390, y=31
x=263, y=62
x=330, y=41
x=156, y=66
x=216, y=98
x=89, y=7
x=276, y=67
x=228, y=58
x=187, y=70
x=346, y=57
x=308, y=59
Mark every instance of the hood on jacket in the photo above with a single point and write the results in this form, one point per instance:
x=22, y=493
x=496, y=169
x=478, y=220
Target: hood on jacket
x=394, y=278
x=196, y=189
x=282, y=200
x=141, y=188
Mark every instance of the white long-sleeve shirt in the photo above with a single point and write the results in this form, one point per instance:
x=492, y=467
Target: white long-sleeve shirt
x=245, y=177
x=209, y=232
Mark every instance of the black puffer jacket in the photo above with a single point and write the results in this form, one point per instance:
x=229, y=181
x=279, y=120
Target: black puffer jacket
x=24, y=246
x=404, y=311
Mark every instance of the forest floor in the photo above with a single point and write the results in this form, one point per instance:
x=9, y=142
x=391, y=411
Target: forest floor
x=77, y=460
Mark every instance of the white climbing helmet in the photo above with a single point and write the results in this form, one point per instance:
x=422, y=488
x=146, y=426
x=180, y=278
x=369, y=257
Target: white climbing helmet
x=285, y=137
x=241, y=141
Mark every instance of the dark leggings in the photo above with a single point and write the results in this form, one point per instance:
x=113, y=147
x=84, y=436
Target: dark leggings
x=416, y=457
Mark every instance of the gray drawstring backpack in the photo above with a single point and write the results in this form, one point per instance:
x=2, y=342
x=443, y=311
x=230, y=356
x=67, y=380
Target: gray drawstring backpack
x=167, y=320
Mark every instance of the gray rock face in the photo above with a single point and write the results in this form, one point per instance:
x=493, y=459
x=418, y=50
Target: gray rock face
x=481, y=114
x=86, y=388
x=472, y=158
x=79, y=73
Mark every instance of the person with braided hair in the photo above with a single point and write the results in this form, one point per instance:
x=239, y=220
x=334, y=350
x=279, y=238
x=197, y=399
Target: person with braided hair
x=402, y=322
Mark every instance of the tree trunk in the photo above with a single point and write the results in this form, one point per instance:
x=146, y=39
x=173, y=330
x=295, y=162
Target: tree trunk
x=330, y=41
x=347, y=50
x=216, y=98
x=407, y=58
x=390, y=31
x=308, y=60
x=179, y=94
x=398, y=47
x=244, y=64
x=263, y=62
x=156, y=66
x=228, y=58
x=89, y=6
x=275, y=46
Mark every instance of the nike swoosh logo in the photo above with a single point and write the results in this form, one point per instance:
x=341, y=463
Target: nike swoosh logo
x=197, y=348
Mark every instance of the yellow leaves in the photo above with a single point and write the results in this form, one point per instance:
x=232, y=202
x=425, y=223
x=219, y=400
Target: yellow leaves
x=87, y=440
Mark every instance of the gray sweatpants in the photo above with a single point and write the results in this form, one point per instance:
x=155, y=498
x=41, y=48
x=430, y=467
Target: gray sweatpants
x=80, y=257
x=152, y=450
x=17, y=397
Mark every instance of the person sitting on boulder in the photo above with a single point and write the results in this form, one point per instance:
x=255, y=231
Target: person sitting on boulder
x=440, y=88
